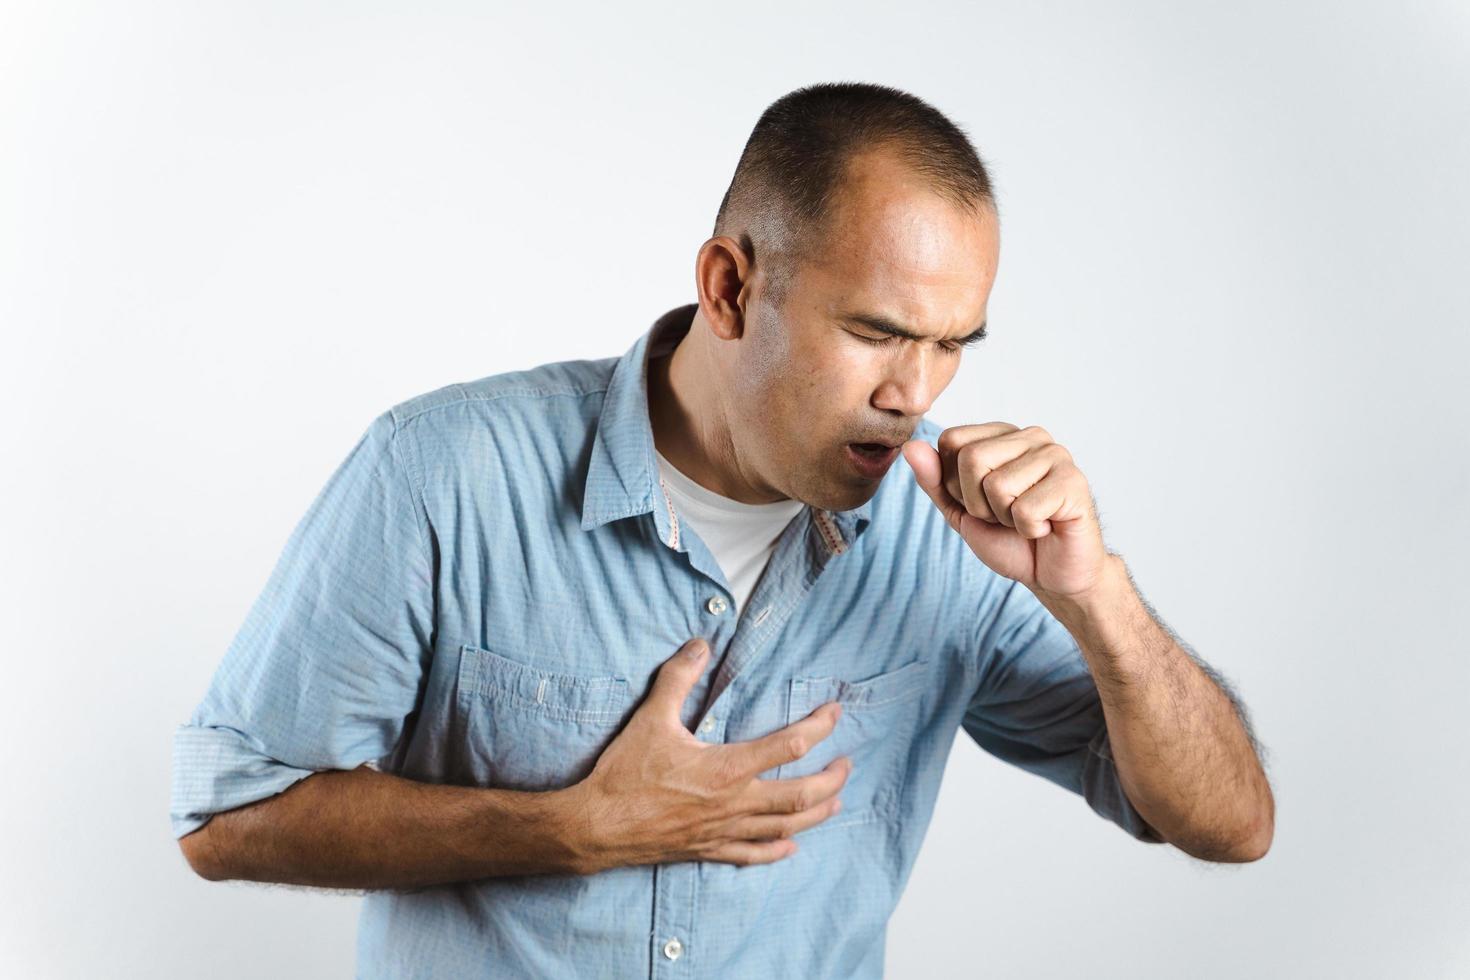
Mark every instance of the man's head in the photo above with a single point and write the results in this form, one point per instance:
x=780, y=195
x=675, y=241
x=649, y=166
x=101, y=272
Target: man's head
x=853, y=208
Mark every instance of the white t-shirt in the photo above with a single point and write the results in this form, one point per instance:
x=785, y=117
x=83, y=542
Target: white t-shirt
x=741, y=536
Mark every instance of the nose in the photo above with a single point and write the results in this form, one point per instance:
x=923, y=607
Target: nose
x=910, y=386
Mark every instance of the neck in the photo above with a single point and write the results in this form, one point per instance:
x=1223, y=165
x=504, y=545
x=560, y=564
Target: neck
x=690, y=426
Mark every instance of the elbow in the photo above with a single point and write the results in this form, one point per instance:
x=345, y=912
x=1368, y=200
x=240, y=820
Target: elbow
x=1257, y=842
x=1252, y=849
x=200, y=852
x=1254, y=843
x=1235, y=847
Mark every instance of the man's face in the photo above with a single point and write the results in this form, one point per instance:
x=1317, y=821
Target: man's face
x=809, y=382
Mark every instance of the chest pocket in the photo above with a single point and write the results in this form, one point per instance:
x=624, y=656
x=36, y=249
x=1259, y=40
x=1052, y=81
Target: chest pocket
x=877, y=727
x=530, y=729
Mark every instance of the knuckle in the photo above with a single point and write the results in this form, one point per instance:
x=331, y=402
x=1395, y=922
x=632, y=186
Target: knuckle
x=800, y=801
x=796, y=746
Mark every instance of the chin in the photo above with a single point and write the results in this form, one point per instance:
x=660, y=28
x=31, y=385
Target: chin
x=837, y=490
x=844, y=496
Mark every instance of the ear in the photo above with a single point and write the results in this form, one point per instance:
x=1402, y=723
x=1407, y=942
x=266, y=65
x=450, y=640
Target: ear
x=722, y=272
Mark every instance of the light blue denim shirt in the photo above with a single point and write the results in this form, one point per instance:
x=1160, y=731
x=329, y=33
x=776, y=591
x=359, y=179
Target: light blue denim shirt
x=484, y=590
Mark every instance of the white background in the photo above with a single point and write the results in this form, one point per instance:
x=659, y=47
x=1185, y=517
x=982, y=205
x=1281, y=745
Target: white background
x=1233, y=283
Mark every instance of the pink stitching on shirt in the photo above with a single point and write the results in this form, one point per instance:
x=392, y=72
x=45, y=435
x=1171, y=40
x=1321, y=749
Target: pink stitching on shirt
x=835, y=544
x=673, y=514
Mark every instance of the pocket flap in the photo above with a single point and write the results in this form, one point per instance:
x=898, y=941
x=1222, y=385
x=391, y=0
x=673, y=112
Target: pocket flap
x=895, y=685
x=574, y=696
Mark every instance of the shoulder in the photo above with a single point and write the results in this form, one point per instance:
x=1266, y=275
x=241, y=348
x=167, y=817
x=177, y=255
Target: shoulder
x=508, y=391
x=547, y=402
x=501, y=422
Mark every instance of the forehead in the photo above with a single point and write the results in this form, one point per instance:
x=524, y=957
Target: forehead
x=893, y=242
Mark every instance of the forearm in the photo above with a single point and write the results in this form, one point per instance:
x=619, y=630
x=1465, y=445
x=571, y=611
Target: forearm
x=364, y=829
x=1182, y=753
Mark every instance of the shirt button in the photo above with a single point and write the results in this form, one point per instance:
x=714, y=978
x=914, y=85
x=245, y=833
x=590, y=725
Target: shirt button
x=708, y=725
x=673, y=948
x=717, y=605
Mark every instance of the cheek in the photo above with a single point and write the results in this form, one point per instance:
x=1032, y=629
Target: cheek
x=847, y=382
x=804, y=393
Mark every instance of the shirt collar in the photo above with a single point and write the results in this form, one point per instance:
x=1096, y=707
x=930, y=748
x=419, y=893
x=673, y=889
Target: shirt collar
x=622, y=474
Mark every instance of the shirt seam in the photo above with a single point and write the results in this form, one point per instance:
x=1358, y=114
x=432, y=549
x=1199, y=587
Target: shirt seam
x=417, y=502
x=401, y=419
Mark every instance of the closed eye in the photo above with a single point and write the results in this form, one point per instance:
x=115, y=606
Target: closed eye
x=876, y=341
x=890, y=340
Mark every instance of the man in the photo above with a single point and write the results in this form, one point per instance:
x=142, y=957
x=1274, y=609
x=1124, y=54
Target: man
x=457, y=690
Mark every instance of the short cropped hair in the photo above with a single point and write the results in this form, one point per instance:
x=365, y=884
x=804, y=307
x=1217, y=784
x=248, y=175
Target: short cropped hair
x=794, y=165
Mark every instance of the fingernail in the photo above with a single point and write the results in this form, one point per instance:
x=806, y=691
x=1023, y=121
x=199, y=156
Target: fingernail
x=696, y=649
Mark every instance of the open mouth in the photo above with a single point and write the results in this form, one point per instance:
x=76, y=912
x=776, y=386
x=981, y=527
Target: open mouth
x=871, y=459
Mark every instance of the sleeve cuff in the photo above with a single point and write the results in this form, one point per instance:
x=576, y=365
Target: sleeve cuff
x=217, y=769
x=1104, y=791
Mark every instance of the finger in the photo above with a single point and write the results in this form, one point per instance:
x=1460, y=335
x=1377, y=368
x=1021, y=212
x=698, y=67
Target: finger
x=785, y=796
x=923, y=459
x=743, y=852
x=785, y=744
x=973, y=463
x=1056, y=497
x=955, y=438
x=1002, y=484
x=976, y=460
x=787, y=824
x=675, y=679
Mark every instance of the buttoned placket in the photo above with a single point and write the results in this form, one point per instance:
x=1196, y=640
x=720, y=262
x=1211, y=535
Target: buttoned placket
x=736, y=642
x=622, y=483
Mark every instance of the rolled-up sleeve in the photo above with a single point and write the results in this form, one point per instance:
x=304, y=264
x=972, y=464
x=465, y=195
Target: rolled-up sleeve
x=330, y=661
x=1037, y=707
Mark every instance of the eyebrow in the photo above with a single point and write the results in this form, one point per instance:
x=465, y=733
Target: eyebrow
x=884, y=325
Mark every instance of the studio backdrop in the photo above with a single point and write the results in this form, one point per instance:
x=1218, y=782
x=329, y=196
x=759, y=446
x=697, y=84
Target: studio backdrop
x=1232, y=282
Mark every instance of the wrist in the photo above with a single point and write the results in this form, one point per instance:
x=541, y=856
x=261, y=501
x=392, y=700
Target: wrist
x=1102, y=600
x=567, y=813
x=515, y=831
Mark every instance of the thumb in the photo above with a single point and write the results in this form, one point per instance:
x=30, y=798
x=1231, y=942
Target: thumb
x=676, y=678
x=923, y=459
